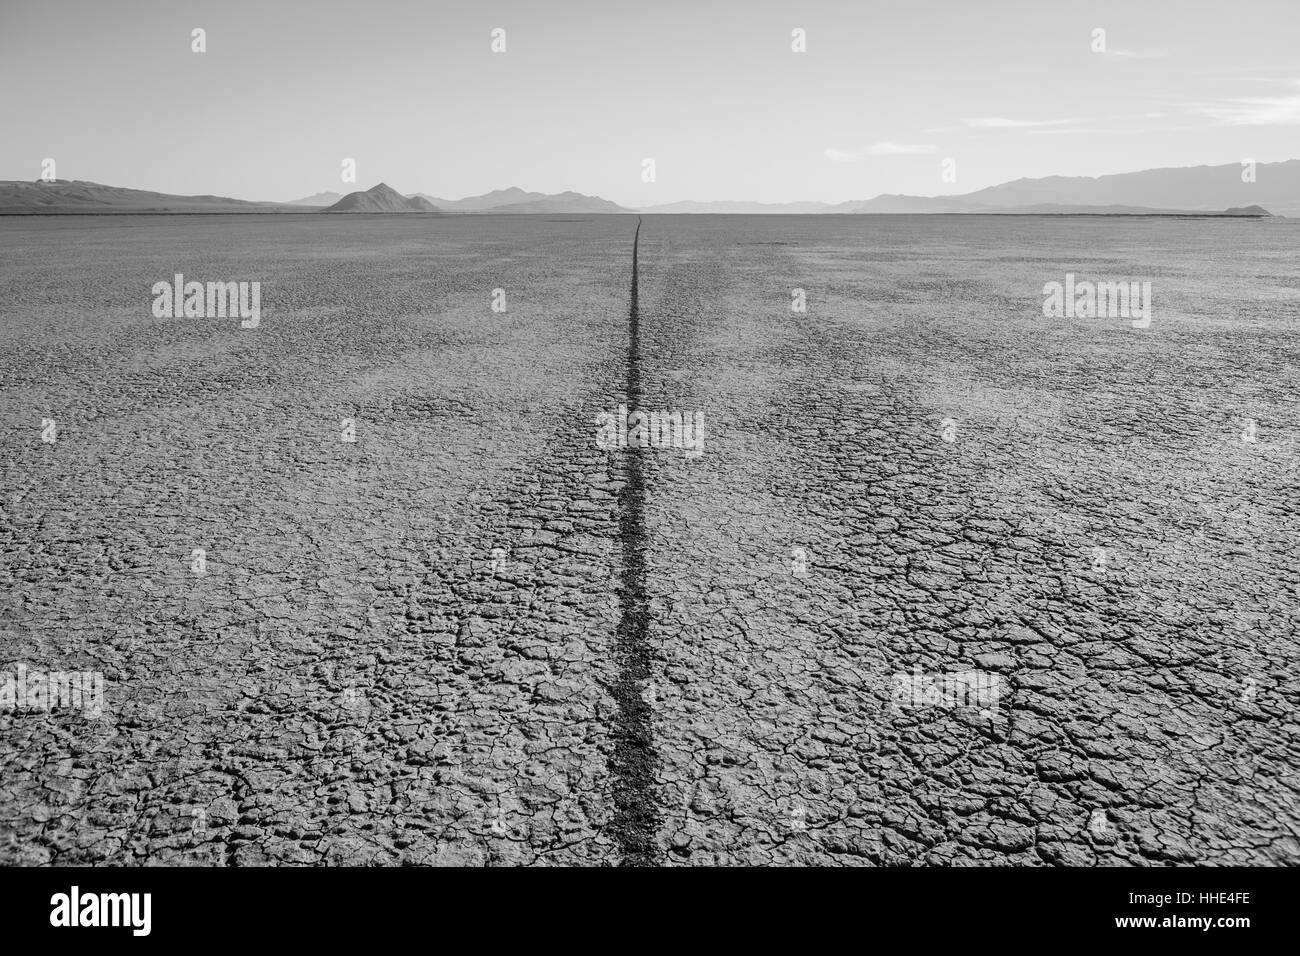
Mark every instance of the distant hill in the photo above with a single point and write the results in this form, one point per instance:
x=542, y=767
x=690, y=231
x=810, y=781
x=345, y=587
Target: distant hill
x=319, y=199
x=381, y=198
x=516, y=200
x=939, y=205
x=1276, y=187
x=898, y=203
x=561, y=202
x=440, y=203
x=1247, y=211
x=498, y=197
x=1053, y=209
x=1176, y=190
x=75, y=196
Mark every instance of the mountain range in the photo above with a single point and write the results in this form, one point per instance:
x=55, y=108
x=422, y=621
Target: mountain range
x=499, y=201
x=1192, y=190
x=516, y=200
x=318, y=199
x=71, y=196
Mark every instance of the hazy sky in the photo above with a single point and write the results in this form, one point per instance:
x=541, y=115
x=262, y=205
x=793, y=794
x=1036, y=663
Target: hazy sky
x=711, y=90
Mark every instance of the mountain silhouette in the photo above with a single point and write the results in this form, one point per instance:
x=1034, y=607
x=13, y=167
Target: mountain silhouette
x=318, y=199
x=73, y=196
x=520, y=201
x=1189, y=189
x=1195, y=190
x=381, y=198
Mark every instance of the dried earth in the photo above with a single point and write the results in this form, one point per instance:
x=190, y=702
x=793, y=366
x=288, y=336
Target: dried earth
x=472, y=636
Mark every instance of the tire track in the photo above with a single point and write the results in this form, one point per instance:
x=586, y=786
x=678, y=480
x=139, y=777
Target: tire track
x=633, y=763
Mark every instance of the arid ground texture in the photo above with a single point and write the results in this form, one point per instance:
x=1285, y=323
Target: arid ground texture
x=364, y=588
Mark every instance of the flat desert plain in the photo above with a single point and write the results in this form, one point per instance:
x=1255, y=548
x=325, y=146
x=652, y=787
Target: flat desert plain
x=365, y=588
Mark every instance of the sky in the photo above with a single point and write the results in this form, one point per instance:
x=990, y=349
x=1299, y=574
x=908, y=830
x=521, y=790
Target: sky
x=711, y=90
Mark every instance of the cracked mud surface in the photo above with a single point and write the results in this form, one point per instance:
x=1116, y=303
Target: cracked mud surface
x=406, y=649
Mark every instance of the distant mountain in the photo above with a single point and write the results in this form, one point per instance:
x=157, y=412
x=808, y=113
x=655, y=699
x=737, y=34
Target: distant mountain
x=1186, y=190
x=1276, y=187
x=319, y=199
x=519, y=201
x=439, y=203
x=559, y=203
x=732, y=208
x=898, y=203
x=1056, y=209
x=73, y=196
x=498, y=197
x=937, y=205
x=381, y=198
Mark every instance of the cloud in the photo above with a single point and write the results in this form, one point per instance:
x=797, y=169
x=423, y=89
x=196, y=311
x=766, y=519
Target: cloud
x=1253, y=110
x=1122, y=117
x=1143, y=130
x=1081, y=125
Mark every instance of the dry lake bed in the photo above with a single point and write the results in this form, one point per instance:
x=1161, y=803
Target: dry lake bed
x=908, y=573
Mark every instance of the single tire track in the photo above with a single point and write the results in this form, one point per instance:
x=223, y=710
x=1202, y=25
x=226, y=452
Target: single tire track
x=633, y=762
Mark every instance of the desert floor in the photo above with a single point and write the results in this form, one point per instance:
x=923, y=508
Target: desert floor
x=472, y=635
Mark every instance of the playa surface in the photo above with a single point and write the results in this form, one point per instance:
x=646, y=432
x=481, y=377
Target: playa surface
x=364, y=587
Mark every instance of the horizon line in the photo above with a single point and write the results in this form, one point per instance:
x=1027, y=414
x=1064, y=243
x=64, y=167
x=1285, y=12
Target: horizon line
x=676, y=202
